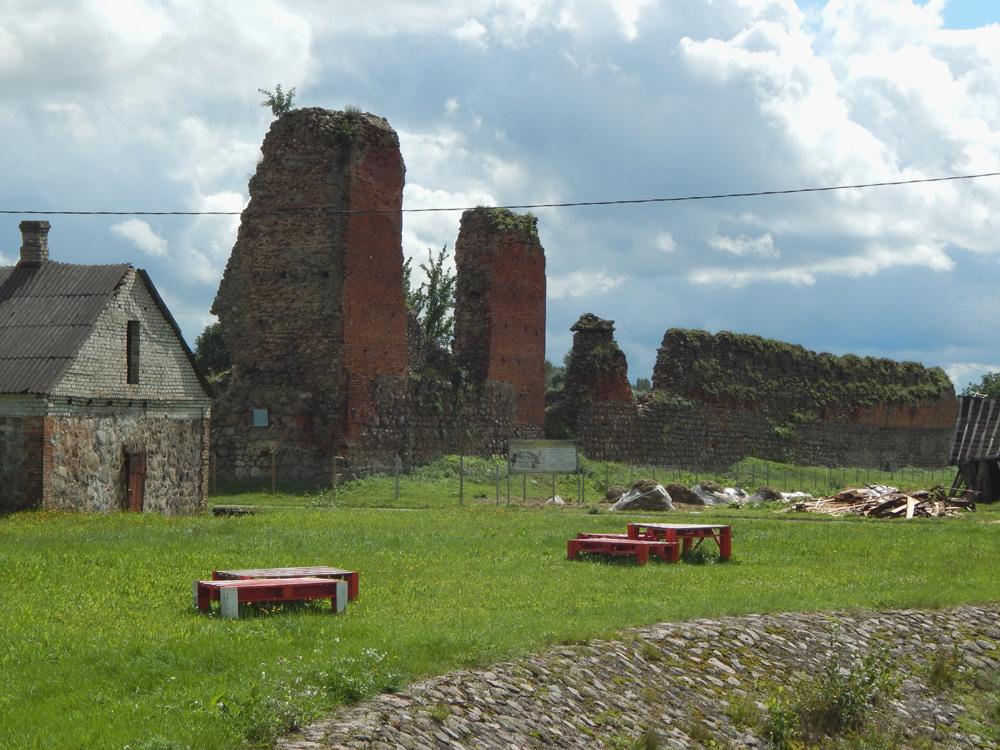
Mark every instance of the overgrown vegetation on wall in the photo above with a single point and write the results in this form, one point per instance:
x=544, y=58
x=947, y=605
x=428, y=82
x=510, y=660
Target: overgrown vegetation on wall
x=747, y=370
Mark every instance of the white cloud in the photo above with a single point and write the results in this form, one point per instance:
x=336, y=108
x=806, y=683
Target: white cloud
x=451, y=105
x=142, y=236
x=472, y=32
x=761, y=247
x=583, y=284
x=665, y=242
x=736, y=279
x=5, y=261
x=628, y=12
x=964, y=373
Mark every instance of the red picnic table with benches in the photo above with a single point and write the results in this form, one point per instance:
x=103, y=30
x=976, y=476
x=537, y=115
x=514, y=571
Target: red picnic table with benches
x=687, y=532
x=661, y=539
x=234, y=587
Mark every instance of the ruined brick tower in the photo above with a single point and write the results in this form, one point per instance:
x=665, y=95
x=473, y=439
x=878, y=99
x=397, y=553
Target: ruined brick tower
x=500, y=307
x=311, y=304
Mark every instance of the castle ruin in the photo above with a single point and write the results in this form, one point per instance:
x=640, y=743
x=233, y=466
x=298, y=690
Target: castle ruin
x=326, y=361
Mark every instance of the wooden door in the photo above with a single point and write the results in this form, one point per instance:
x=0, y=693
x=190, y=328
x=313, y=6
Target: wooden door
x=136, y=480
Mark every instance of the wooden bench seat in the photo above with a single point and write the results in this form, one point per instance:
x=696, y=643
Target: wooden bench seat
x=230, y=594
x=638, y=548
x=594, y=535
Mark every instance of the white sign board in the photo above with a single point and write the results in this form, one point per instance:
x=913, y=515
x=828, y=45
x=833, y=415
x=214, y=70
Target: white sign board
x=543, y=457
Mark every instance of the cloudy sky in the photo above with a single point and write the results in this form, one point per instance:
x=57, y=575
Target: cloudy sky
x=153, y=105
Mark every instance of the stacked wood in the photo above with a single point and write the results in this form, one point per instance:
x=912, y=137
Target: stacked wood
x=881, y=501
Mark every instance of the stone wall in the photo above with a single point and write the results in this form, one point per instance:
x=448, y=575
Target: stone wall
x=311, y=303
x=425, y=416
x=88, y=462
x=500, y=305
x=719, y=399
x=784, y=379
x=596, y=405
x=21, y=441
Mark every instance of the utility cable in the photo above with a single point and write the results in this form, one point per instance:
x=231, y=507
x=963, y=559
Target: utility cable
x=620, y=202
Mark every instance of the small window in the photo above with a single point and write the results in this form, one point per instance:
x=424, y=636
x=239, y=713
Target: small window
x=132, y=352
x=259, y=417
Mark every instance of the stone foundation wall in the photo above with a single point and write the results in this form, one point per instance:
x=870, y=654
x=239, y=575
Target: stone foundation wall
x=88, y=460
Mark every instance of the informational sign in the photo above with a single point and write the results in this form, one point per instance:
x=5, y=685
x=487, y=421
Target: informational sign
x=543, y=457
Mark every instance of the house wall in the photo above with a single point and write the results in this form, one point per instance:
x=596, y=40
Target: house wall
x=99, y=369
x=88, y=471
x=21, y=460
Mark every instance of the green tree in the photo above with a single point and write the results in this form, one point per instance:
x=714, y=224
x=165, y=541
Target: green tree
x=988, y=386
x=210, y=350
x=279, y=101
x=642, y=385
x=554, y=376
x=433, y=301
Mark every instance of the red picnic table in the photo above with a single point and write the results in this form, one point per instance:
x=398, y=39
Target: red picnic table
x=315, y=571
x=687, y=532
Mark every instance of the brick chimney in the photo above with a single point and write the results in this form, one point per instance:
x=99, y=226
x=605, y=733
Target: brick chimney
x=34, y=243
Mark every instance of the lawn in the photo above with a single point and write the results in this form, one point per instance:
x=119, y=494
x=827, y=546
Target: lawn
x=99, y=646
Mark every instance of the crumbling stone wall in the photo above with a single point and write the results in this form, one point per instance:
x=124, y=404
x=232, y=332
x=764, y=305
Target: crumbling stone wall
x=312, y=311
x=425, y=416
x=311, y=304
x=500, y=306
x=785, y=380
x=719, y=398
x=596, y=405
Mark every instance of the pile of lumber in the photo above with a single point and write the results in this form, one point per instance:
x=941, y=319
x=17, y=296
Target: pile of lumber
x=881, y=501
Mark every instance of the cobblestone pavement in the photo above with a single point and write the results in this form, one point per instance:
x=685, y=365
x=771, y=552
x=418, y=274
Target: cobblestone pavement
x=692, y=684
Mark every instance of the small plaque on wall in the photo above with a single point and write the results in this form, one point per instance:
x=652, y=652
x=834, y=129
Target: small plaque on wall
x=259, y=417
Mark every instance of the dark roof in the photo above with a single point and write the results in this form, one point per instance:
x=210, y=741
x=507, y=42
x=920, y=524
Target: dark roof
x=47, y=311
x=977, y=431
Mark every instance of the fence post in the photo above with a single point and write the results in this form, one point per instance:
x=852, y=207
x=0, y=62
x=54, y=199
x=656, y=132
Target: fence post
x=333, y=476
x=524, y=487
x=215, y=471
x=274, y=469
x=497, y=467
x=396, y=468
x=508, y=485
x=554, y=485
x=461, y=477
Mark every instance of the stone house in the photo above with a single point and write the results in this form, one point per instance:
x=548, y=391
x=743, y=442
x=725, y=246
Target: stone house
x=101, y=404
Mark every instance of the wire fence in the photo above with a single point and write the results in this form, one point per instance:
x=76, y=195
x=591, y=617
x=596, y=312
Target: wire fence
x=461, y=480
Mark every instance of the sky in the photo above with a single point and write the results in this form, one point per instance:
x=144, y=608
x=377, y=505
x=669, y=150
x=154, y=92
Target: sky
x=154, y=105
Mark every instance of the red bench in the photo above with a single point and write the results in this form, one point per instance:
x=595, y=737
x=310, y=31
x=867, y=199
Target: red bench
x=231, y=594
x=313, y=571
x=592, y=535
x=638, y=548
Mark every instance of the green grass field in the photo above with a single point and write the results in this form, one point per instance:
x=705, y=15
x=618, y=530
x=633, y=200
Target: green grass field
x=99, y=646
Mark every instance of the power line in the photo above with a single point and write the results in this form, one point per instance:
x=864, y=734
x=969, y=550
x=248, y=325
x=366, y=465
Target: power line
x=619, y=202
